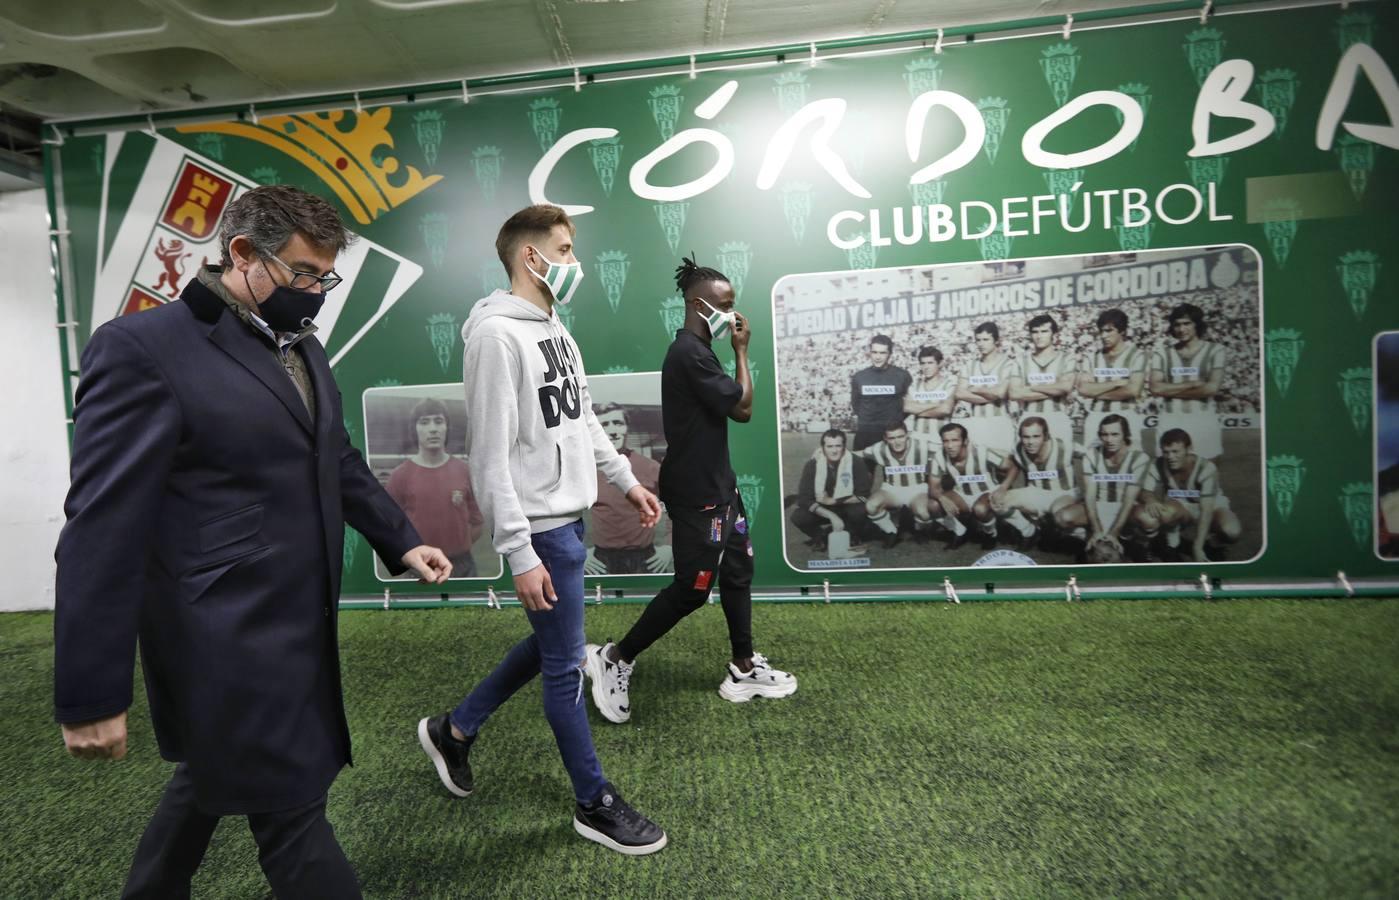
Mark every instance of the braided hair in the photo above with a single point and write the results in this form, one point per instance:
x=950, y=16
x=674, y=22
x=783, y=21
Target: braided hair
x=690, y=273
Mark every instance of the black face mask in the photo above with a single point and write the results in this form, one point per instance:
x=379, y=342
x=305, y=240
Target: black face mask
x=287, y=309
x=290, y=310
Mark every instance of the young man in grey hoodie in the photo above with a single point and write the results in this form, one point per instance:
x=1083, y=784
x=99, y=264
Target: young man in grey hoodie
x=535, y=446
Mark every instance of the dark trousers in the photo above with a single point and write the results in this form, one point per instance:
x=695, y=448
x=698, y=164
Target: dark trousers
x=296, y=849
x=710, y=545
x=817, y=527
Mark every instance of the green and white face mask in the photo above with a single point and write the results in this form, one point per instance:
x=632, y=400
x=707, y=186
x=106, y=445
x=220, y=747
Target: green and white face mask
x=562, y=279
x=719, y=322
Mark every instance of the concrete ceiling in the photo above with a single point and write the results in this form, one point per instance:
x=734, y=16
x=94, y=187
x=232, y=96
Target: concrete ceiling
x=64, y=59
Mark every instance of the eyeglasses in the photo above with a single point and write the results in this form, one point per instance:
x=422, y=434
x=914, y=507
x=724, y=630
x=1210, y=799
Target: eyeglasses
x=304, y=281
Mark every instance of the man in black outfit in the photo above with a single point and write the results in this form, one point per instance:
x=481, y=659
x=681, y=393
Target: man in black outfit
x=877, y=393
x=832, y=491
x=709, y=527
x=212, y=479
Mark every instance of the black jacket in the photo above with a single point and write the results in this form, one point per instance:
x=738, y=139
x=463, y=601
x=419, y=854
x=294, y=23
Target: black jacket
x=206, y=515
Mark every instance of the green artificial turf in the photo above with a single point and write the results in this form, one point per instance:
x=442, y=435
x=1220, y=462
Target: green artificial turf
x=1230, y=749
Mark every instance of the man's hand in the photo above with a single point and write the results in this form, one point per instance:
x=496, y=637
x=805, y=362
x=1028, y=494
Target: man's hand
x=536, y=590
x=741, y=332
x=431, y=564
x=99, y=739
x=592, y=565
x=998, y=499
x=662, y=560
x=647, y=506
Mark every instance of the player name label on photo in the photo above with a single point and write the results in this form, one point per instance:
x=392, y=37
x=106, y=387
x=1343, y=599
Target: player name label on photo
x=854, y=562
x=1185, y=371
x=1182, y=494
x=929, y=396
x=983, y=380
x=878, y=390
x=971, y=479
x=1042, y=474
x=1111, y=372
x=1043, y=378
x=1108, y=476
x=903, y=470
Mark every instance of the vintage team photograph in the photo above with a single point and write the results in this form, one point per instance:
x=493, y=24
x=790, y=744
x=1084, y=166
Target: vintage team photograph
x=628, y=407
x=415, y=443
x=1102, y=409
x=1387, y=445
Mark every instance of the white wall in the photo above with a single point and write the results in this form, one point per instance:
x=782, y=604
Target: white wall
x=33, y=433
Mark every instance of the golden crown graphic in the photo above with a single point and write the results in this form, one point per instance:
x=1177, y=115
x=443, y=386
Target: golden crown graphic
x=353, y=163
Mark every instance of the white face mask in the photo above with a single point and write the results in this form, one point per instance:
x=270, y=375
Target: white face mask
x=719, y=322
x=561, y=279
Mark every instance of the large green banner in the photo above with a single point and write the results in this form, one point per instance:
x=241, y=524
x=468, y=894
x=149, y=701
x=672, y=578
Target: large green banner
x=1107, y=299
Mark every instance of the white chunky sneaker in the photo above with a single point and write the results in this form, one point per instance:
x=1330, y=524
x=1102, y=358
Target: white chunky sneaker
x=610, y=682
x=762, y=681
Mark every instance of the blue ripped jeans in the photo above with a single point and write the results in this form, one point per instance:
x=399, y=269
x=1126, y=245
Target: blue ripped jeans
x=555, y=649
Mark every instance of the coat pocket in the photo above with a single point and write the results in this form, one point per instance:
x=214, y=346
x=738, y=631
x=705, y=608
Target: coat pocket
x=197, y=582
x=230, y=528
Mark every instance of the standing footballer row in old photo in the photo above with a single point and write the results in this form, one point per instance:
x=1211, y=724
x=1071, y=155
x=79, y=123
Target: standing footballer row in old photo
x=985, y=426
x=216, y=421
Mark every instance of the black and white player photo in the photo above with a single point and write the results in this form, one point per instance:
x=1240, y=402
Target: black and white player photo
x=628, y=407
x=1101, y=409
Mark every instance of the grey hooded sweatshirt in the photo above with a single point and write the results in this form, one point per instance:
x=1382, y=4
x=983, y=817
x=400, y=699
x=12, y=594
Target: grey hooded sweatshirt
x=531, y=435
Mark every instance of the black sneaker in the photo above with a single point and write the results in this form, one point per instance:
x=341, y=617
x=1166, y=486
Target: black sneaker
x=447, y=753
x=614, y=824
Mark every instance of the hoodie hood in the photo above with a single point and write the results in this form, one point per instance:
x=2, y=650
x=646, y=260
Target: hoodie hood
x=502, y=303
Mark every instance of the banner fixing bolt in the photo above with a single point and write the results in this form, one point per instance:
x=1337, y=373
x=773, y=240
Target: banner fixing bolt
x=692, y=66
x=937, y=47
x=1069, y=25
x=597, y=594
x=492, y=601
x=826, y=589
x=1205, y=585
x=1071, y=589
x=1345, y=583
x=1206, y=10
x=465, y=94
x=386, y=598
x=949, y=591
